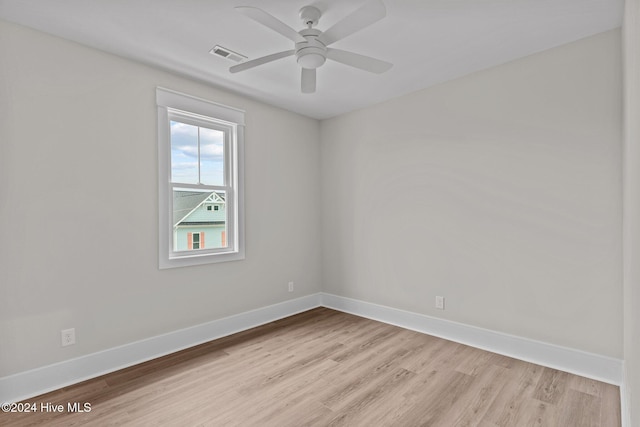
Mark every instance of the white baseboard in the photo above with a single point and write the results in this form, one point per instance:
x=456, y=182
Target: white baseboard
x=32, y=383
x=601, y=368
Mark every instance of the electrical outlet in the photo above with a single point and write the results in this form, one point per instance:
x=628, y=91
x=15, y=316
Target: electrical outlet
x=68, y=336
x=440, y=303
x=290, y=286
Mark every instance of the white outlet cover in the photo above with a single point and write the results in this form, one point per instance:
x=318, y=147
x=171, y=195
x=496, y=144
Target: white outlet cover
x=68, y=337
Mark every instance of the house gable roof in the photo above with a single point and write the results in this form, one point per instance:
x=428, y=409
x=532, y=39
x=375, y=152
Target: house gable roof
x=185, y=202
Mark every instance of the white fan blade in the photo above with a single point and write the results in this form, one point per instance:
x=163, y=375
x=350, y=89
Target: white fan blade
x=369, y=13
x=262, y=60
x=270, y=21
x=359, y=61
x=308, y=80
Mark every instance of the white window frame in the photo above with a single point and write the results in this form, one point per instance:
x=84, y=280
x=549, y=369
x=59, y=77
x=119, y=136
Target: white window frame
x=199, y=111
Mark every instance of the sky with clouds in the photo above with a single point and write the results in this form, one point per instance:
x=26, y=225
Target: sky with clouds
x=184, y=155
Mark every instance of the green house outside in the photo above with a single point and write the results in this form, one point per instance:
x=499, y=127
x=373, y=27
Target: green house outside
x=199, y=220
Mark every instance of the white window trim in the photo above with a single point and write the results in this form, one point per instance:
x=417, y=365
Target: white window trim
x=168, y=100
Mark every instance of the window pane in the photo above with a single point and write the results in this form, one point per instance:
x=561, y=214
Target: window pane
x=206, y=228
x=184, y=153
x=211, y=156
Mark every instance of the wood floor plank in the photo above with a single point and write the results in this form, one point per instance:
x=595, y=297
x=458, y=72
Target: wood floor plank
x=430, y=409
x=535, y=413
x=474, y=362
x=291, y=393
x=371, y=398
x=579, y=409
x=610, y=412
x=551, y=386
x=353, y=379
x=323, y=368
x=510, y=401
x=471, y=407
x=585, y=385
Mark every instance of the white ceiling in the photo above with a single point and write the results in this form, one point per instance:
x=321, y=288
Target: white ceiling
x=428, y=41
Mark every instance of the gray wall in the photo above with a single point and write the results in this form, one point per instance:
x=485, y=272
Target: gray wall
x=500, y=191
x=78, y=205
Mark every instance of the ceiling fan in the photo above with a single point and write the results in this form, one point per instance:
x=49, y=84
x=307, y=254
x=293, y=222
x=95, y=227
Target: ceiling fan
x=311, y=45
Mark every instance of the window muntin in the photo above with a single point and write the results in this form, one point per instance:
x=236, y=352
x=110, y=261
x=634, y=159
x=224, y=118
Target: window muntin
x=201, y=158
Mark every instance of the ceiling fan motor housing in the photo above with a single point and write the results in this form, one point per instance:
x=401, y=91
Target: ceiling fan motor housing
x=311, y=53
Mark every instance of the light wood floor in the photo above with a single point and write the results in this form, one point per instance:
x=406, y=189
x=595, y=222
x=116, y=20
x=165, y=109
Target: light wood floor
x=326, y=368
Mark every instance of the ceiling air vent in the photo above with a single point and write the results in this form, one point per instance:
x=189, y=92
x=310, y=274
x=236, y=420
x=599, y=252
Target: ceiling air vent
x=227, y=53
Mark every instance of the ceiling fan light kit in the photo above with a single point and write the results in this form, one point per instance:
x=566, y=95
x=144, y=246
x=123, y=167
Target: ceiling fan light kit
x=311, y=45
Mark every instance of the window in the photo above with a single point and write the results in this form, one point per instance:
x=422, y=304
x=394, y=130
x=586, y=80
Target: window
x=200, y=180
x=195, y=240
